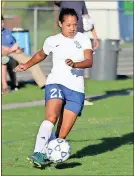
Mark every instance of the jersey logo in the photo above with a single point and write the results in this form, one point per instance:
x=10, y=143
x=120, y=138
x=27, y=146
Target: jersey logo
x=77, y=44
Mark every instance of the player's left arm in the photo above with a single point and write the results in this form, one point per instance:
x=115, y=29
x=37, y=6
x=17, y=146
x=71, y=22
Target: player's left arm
x=87, y=63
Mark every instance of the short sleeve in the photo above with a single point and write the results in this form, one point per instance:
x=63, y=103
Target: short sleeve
x=87, y=43
x=84, y=9
x=7, y=38
x=14, y=40
x=47, y=47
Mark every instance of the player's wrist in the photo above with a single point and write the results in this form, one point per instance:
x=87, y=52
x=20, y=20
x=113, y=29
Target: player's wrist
x=27, y=66
x=75, y=65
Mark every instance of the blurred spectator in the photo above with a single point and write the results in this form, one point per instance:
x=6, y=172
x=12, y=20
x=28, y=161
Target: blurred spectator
x=4, y=75
x=7, y=62
x=11, y=49
x=81, y=10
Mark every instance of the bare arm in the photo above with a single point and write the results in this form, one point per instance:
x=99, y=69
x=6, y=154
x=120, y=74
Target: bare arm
x=94, y=33
x=38, y=57
x=95, y=41
x=6, y=50
x=87, y=63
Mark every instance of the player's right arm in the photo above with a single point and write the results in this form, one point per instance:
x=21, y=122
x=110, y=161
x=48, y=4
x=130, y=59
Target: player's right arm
x=38, y=57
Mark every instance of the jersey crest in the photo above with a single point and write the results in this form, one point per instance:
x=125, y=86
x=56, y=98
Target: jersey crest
x=77, y=44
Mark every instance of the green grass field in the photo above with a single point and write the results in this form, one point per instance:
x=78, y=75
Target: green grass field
x=91, y=88
x=101, y=140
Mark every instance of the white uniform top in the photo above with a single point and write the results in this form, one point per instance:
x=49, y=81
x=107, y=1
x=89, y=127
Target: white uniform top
x=63, y=48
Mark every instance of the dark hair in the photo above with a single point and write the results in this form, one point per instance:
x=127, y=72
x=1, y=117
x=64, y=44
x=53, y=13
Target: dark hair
x=67, y=11
x=2, y=18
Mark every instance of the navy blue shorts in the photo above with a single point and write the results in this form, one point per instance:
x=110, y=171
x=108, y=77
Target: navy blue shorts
x=73, y=100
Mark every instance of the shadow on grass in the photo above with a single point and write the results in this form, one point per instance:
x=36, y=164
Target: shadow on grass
x=108, y=144
x=111, y=93
x=23, y=84
x=67, y=165
x=123, y=77
x=60, y=165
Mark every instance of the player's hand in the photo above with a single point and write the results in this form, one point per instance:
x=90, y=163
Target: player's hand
x=69, y=62
x=95, y=44
x=18, y=51
x=20, y=68
x=14, y=47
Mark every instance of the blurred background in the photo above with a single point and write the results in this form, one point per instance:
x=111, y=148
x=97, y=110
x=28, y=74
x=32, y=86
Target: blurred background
x=113, y=22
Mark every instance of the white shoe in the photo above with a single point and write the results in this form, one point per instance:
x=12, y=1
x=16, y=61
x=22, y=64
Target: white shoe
x=15, y=89
x=88, y=102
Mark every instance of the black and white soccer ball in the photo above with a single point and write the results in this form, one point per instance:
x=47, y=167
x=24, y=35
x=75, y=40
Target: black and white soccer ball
x=58, y=150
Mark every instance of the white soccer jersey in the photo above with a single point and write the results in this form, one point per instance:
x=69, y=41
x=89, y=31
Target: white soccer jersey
x=63, y=48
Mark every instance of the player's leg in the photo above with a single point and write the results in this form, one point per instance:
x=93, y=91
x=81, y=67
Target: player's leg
x=65, y=123
x=72, y=109
x=53, y=108
x=10, y=66
x=4, y=79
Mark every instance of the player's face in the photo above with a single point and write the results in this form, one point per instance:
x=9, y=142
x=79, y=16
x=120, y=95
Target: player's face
x=69, y=26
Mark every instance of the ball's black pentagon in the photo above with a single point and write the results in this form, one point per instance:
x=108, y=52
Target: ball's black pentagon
x=59, y=161
x=49, y=151
x=63, y=154
x=60, y=140
x=69, y=151
x=57, y=148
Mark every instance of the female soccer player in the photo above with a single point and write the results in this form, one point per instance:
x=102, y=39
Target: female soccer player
x=64, y=91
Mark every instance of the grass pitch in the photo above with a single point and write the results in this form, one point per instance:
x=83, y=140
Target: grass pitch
x=101, y=140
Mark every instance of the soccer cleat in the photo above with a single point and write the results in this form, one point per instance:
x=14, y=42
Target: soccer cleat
x=38, y=159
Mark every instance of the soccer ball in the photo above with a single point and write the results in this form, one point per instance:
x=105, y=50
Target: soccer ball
x=58, y=150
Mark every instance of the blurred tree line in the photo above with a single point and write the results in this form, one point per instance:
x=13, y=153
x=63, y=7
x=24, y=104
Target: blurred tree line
x=40, y=3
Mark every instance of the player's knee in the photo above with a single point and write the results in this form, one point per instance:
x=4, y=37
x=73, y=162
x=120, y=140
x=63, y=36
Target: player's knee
x=52, y=117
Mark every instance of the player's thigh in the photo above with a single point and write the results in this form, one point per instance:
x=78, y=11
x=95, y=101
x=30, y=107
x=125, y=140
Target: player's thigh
x=54, y=100
x=53, y=109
